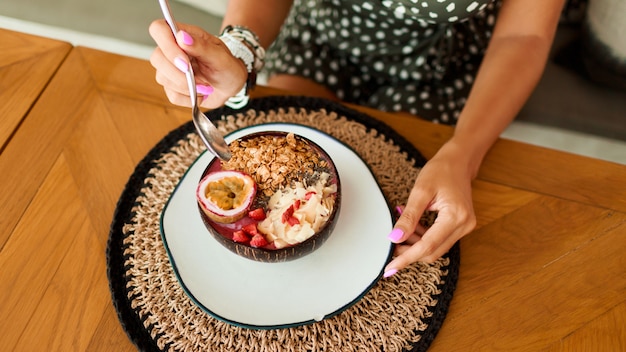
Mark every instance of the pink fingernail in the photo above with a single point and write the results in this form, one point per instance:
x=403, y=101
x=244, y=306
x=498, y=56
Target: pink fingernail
x=399, y=210
x=204, y=90
x=187, y=39
x=395, y=235
x=181, y=64
x=390, y=272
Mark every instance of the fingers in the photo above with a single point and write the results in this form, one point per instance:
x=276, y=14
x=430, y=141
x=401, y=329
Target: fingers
x=410, y=216
x=434, y=243
x=188, y=41
x=172, y=77
x=170, y=62
x=419, y=229
x=163, y=37
x=405, y=227
x=199, y=44
x=427, y=248
x=443, y=185
x=218, y=74
x=414, y=238
x=172, y=59
x=454, y=220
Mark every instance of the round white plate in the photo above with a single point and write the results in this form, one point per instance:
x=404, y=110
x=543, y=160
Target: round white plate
x=252, y=294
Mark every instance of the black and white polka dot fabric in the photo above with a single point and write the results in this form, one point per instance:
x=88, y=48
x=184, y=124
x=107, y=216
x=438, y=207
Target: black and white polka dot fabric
x=417, y=56
x=437, y=10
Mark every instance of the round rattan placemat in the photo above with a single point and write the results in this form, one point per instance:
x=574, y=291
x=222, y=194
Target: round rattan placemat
x=401, y=313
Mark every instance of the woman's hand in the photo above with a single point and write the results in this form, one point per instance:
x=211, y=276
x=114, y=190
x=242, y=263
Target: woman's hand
x=219, y=75
x=443, y=185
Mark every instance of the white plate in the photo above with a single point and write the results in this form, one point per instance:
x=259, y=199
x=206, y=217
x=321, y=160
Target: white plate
x=252, y=294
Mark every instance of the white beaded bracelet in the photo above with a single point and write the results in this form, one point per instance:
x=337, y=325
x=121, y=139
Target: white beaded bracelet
x=251, y=40
x=244, y=45
x=239, y=50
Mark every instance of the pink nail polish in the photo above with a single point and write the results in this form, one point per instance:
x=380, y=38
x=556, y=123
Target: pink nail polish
x=395, y=235
x=399, y=210
x=204, y=90
x=187, y=39
x=390, y=272
x=181, y=64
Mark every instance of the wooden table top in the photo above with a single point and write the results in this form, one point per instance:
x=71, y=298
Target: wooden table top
x=26, y=65
x=544, y=269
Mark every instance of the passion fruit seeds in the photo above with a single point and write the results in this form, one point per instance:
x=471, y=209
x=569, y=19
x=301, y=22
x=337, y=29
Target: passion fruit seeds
x=226, y=196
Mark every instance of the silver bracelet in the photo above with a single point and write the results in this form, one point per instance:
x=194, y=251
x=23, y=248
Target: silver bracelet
x=244, y=45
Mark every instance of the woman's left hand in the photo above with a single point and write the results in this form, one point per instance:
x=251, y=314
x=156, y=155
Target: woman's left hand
x=444, y=186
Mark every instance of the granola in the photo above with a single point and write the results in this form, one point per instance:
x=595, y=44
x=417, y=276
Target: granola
x=274, y=161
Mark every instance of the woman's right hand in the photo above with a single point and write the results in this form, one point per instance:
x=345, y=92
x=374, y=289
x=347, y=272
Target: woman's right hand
x=219, y=75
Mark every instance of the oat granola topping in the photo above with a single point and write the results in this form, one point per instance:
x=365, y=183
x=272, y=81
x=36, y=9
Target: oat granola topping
x=274, y=161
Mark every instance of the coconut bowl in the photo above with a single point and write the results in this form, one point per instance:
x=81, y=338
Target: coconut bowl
x=301, y=162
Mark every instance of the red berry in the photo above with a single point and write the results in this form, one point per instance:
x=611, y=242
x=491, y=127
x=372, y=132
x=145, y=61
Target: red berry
x=250, y=229
x=258, y=241
x=287, y=214
x=293, y=221
x=257, y=214
x=240, y=236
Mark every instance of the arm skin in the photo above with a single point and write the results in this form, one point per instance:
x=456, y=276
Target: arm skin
x=515, y=59
x=512, y=66
x=264, y=18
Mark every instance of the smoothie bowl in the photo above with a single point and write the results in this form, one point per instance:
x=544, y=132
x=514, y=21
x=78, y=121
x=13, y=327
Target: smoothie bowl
x=277, y=199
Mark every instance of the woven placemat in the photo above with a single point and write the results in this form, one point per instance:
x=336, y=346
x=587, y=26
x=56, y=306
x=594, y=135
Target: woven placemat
x=401, y=313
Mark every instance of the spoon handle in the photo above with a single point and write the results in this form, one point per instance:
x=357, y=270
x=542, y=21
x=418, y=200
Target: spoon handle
x=191, y=81
x=209, y=134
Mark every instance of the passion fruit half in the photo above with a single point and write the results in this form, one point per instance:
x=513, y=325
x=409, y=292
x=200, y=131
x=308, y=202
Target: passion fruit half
x=226, y=196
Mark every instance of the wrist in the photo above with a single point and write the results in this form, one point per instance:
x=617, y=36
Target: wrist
x=462, y=154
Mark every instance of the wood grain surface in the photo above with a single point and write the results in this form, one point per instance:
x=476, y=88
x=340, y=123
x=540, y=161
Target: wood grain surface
x=26, y=65
x=544, y=269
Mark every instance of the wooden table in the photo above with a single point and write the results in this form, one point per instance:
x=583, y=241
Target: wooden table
x=26, y=65
x=544, y=270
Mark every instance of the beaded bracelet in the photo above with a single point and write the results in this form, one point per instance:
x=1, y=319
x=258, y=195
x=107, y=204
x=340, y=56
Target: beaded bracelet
x=244, y=45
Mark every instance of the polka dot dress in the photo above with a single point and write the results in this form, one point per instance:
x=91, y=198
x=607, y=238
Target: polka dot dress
x=416, y=56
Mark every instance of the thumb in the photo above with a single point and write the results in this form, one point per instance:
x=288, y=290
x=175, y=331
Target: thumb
x=214, y=63
x=195, y=41
x=409, y=219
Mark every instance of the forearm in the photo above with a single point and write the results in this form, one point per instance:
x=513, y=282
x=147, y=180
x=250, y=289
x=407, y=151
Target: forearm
x=512, y=66
x=510, y=71
x=264, y=18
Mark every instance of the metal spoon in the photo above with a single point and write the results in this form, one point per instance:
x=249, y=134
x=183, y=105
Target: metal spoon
x=209, y=134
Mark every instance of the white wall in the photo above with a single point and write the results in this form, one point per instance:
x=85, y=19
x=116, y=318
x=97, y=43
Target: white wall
x=214, y=7
x=607, y=19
